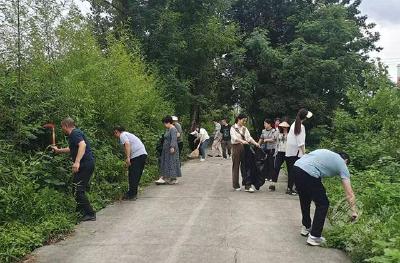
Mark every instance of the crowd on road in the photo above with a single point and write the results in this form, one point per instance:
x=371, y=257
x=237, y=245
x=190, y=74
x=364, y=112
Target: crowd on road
x=258, y=162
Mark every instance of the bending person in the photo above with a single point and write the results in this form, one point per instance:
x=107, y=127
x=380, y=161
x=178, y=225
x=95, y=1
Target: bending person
x=308, y=172
x=135, y=160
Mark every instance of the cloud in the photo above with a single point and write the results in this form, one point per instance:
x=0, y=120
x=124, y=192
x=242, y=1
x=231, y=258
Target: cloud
x=385, y=11
x=386, y=14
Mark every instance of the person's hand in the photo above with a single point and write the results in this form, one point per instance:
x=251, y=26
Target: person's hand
x=54, y=149
x=172, y=150
x=127, y=162
x=258, y=145
x=354, y=216
x=75, y=167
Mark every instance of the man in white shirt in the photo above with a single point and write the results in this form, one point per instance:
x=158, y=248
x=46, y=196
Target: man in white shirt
x=135, y=160
x=240, y=136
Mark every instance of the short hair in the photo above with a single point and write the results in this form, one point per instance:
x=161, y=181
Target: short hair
x=68, y=122
x=167, y=119
x=119, y=128
x=269, y=121
x=344, y=156
x=240, y=117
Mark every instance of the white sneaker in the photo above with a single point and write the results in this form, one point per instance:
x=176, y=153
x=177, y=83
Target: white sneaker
x=238, y=189
x=250, y=190
x=160, y=181
x=315, y=241
x=305, y=231
x=202, y=160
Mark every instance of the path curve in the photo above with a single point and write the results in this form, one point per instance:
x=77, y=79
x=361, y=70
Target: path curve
x=200, y=220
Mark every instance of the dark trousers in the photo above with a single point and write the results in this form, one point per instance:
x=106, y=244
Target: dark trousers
x=279, y=159
x=269, y=167
x=238, y=165
x=81, y=185
x=203, y=148
x=180, y=148
x=290, y=164
x=135, y=173
x=311, y=189
x=226, y=146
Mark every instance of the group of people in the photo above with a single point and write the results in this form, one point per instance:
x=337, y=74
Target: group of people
x=279, y=142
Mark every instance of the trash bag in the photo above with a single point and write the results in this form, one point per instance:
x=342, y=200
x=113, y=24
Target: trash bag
x=253, y=166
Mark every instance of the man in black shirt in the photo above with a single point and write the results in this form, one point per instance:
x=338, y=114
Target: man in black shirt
x=82, y=168
x=226, y=138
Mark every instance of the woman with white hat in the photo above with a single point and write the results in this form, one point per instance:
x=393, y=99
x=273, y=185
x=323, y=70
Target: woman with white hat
x=295, y=145
x=281, y=155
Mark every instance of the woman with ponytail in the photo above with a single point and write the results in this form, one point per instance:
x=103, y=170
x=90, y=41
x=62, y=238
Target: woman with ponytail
x=295, y=146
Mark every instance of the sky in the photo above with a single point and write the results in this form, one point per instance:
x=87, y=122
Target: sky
x=386, y=15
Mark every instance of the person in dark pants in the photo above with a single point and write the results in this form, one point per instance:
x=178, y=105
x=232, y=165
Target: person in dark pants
x=135, y=160
x=281, y=156
x=296, y=146
x=82, y=168
x=180, y=134
x=268, y=141
x=308, y=172
x=226, y=139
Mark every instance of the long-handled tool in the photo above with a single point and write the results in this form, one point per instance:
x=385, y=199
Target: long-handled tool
x=53, y=132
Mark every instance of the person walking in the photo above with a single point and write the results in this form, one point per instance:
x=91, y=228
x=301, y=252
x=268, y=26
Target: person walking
x=82, y=168
x=281, y=155
x=268, y=142
x=170, y=168
x=203, y=139
x=295, y=145
x=178, y=127
x=216, y=145
x=135, y=159
x=308, y=172
x=226, y=139
x=240, y=136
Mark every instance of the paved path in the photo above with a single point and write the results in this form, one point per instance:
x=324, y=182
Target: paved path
x=200, y=220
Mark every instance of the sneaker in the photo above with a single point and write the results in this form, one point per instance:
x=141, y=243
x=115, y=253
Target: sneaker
x=88, y=218
x=209, y=155
x=172, y=182
x=315, y=241
x=291, y=192
x=305, y=231
x=219, y=156
x=160, y=182
x=202, y=160
x=249, y=190
x=272, y=188
x=238, y=189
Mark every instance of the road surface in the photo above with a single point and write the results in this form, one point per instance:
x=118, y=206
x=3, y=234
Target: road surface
x=199, y=220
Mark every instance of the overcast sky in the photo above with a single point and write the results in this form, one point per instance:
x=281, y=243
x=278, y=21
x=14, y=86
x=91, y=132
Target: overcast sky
x=385, y=13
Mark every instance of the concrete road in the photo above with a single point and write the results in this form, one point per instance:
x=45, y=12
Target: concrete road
x=199, y=220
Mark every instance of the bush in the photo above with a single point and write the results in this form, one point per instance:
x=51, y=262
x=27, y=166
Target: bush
x=370, y=132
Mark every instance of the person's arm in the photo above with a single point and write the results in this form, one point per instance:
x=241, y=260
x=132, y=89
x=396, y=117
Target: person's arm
x=301, y=140
x=79, y=155
x=350, y=197
x=174, y=141
x=60, y=150
x=127, y=149
x=250, y=139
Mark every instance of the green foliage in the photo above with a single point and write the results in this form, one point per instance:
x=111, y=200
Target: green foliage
x=369, y=131
x=99, y=88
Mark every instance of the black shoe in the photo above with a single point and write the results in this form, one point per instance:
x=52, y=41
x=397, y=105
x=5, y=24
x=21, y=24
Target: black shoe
x=88, y=218
x=129, y=197
x=272, y=188
x=291, y=192
x=219, y=156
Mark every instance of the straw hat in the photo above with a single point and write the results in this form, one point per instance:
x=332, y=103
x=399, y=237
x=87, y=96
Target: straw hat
x=284, y=124
x=309, y=114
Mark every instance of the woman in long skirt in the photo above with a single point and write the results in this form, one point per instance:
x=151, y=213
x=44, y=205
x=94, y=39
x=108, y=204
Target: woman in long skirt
x=170, y=167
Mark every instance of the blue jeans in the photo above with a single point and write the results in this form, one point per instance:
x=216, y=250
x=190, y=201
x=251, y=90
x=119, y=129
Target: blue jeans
x=203, y=148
